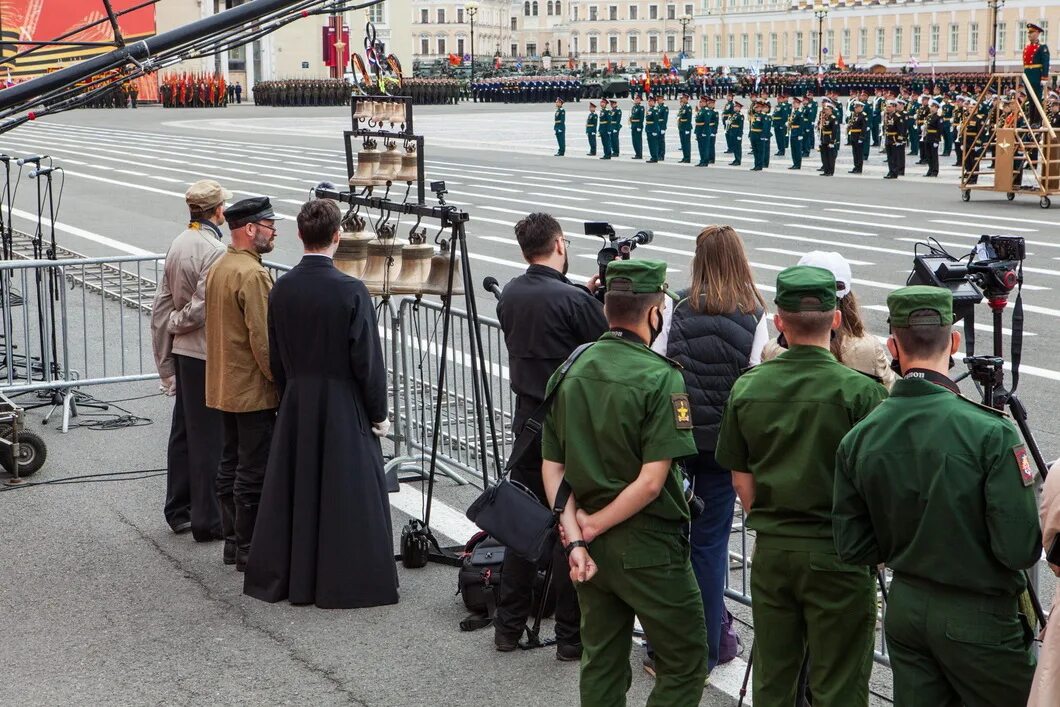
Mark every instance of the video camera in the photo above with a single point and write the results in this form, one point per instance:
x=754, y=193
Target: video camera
x=994, y=269
x=615, y=249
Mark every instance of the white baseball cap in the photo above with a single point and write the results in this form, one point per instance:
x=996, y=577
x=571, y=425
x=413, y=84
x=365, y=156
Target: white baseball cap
x=834, y=263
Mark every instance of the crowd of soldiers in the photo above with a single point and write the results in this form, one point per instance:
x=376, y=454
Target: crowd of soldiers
x=527, y=89
x=125, y=95
x=194, y=91
x=302, y=92
x=433, y=91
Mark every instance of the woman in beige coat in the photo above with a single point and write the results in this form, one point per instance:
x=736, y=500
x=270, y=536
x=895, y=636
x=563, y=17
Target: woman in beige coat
x=852, y=345
x=1046, y=689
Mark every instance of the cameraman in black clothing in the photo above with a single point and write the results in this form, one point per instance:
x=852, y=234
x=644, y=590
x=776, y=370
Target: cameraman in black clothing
x=544, y=318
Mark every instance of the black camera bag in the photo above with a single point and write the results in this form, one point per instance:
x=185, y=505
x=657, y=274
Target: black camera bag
x=479, y=579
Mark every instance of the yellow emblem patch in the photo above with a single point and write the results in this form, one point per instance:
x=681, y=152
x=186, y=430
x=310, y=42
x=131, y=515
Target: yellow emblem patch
x=682, y=411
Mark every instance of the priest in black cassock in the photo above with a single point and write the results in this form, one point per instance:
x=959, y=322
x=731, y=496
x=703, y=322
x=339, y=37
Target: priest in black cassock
x=323, y=534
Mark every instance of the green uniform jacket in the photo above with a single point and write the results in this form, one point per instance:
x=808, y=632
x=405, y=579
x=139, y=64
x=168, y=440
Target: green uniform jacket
x=636, y=117
x=684, y=119
x=651, y=121
x=712, y=121
x=735, y=124
x=664, y=117
x=701, y=122
x=605, y=122
x=941, y=489
x=622, y=392
x=615, y=124
x=783, y=422
x=591, y=123
x=781, y=114
x=561, y=120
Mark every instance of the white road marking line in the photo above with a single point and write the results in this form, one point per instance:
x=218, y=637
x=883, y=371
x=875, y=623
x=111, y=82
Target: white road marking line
x=548, y=179
x=559, y=196
x=983, y=226
x=832, y=230
x=799, y=254
x=81, y=233
x=768, y=203
x=864, y=213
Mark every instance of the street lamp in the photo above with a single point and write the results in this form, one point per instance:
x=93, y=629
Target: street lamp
x=471, y=9
x=820, y=13
x=995, y=7
x=685, y=20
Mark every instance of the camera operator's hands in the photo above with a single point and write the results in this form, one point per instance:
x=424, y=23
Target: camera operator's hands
x=593, y=283
x=589, y=529
x=582, y=567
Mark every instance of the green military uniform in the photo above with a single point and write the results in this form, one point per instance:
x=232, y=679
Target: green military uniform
x=651, y=130
x=590, y=130
x=663, y=121
x=621, y=406
x=780, y=124
x=809, y=126
x=734, y=135
x=605, y=130
x=712, y=130
x=782, y=424
x=702, y=117
x=684, y=132
x=560, y=128
x=726, y=113
x=1035, y=64
x=636, y=129
x=795, y=133
x=616, y=127
x=942, y=490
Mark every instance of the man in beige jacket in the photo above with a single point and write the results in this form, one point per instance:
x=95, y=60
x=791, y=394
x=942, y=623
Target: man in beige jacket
x=179, y=339
x=238, y=378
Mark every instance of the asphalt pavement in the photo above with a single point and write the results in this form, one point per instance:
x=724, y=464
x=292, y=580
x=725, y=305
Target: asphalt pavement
x=105, y=605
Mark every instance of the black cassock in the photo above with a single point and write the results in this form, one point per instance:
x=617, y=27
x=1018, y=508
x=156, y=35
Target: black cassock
x=323, y=534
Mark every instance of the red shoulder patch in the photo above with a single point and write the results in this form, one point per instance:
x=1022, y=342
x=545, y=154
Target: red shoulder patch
x=1026, y=467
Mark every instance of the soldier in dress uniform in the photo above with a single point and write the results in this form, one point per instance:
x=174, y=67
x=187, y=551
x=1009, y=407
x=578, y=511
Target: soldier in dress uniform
x=590, y=128
x=829, y=139
x=615, y=125
x=701, y=131
x=605, y=128
x=560, y=128
x=894, y=140
x=809, y=124
x=734, y=133
x=795, y=132
x=758, y=128
x=726, y=113
x=857, y=132
x=712, y=130
x=651, y=130
x=781, y=113
x=684, y=129
x=932, y=134
x=636, y=126
x=782, y=424
x=941, y=489
x=1035, y=66
x=619, y=420
x=663, y=121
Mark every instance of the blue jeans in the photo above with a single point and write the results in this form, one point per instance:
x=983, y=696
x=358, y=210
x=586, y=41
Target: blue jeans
x=709, y=539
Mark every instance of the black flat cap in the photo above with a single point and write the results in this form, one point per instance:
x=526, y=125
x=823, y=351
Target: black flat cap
x=256, y=208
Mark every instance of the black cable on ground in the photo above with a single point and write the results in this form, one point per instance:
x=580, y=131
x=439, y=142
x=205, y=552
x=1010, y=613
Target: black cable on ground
x=133, y=475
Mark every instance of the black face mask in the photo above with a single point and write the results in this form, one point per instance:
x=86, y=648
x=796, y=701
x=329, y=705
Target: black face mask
x=655, y=330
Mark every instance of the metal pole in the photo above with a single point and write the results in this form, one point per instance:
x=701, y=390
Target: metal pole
x=471, y=12
x=820, y=38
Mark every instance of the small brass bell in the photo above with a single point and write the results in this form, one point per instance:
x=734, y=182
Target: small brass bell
x=438, y=280
x=389, y=166
x=415, y=264
x=367, y=166
x=397, y=113
x=364, y=110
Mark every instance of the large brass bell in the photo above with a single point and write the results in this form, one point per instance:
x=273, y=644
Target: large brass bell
x=409, y=171
x=389, y=166
x=396, y=113
x=367, y=166
x=351, y=255
x=415, y=264
x=364, y=110
x=384, y=262
x=438, y=281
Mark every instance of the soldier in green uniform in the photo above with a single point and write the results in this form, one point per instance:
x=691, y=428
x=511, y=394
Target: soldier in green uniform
x=734, y=133
x=781, y=113
x=726, y=113
x=651, y=130
x=615, y=125
x=712, y=130
x=1035, y=65
x=636, y=126
x=757, y=130
x=809, y=124
x=619, y=419
x=701, y=130
x=946, y=112
x=560, y=128
x=857, y=135
x=795, y=132
x=662, y=122
x=941, y=489
x=605, y=128
x=590, y=128
x=684, y=129
x=894, y=141
x=782, y=424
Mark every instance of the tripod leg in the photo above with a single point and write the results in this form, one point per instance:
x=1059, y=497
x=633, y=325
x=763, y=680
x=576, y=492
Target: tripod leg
x=747, y=675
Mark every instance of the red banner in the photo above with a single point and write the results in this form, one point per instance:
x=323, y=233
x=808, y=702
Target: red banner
x=330, y=50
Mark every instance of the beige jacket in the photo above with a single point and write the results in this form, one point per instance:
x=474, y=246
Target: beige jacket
x=1046, y=689
x=179, y=311
x=865, y=354
x=238, y=377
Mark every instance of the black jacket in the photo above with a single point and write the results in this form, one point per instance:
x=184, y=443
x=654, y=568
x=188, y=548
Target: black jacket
x=713, y=350
x=544, y=318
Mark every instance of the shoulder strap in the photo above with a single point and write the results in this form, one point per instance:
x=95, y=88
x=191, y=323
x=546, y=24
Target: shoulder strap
x=531, y=431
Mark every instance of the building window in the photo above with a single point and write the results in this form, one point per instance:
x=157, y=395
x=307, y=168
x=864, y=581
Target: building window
x=955, y=37
x=526, y=8
x=515, y=23
x=460, y=46
x=533, y=8
x=459, y=15
x=881, y=41
x=515, y=49
x=633, y=44
x=798, y=46
x=558, y=11
x=897, y=41
x=717, y=46
x=1001, y=31
x=688, y=10
x=744, y=46
x=632, y=12
x=863, y=42
x=425, y=45
x=575, y=13
x=612, y=13
x=653, y=44
x=441, y=45
x=653, y=12
x=593, y=46
x=592, y=13
x=612, y=45
x=915, y=49
x=574, y=44
x=671, y=43
x=424, y=16
x=375, y=14
x=973, y=38
x=671, y=12
x=732, y=46
x=933, y=42
x=441, y=15
x=846, y=42
x=814, y=46
x=773, y=45
x=830, y=42
x=759, y=48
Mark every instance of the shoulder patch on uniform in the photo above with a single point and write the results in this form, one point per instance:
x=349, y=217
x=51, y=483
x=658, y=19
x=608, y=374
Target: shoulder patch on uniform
x=999, y=413
x=1023, y=461
x=669, y=360
x=682, y=411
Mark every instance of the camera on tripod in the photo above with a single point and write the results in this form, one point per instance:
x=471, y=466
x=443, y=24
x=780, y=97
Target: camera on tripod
x=615, y=249
x=993, y=269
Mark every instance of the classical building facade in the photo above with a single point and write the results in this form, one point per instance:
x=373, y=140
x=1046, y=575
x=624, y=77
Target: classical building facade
x=888, y=34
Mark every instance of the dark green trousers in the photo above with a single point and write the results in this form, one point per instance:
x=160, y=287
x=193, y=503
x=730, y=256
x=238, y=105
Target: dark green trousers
x=806, y=599
x=643, y=572
x=950, y=647
x=637, y=136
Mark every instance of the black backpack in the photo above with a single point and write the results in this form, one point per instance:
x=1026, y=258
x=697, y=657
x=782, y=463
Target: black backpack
x=479, y=579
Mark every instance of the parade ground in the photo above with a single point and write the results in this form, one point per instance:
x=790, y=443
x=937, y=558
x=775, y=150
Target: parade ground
x=104, y=604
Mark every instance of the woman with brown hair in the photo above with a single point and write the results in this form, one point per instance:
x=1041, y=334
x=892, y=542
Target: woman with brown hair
x=716, y=330
x=851, y=345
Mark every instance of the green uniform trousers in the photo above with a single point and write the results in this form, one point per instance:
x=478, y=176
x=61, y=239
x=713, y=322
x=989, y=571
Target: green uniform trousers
x=686, y=145
x=701, y=145
x=808, y=599
x=950, y=647
x=653, y=145
x=637, y=136
x=643, y=572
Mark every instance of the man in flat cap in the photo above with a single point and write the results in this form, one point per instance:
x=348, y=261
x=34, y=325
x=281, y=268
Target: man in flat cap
x=779, y=433
x=178, y=318
x=239, y=380
x=619, y=419
x=941, y=489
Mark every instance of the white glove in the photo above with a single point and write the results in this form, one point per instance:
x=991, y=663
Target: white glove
x=168, y=386
x=380, y=429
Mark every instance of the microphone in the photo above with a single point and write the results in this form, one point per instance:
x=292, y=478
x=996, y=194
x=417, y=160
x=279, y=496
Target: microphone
x=490, y=284
x=35, y=159
x=326, y=190
x=41, y=172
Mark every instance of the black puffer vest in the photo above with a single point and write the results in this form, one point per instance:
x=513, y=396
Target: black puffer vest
x=713, y=349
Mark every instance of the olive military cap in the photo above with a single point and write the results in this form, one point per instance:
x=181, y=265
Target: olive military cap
x=920, y=305
x=639, y=276
x=797, y=284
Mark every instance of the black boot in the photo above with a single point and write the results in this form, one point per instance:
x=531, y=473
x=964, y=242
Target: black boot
x=228, y=526
x=246, y=515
